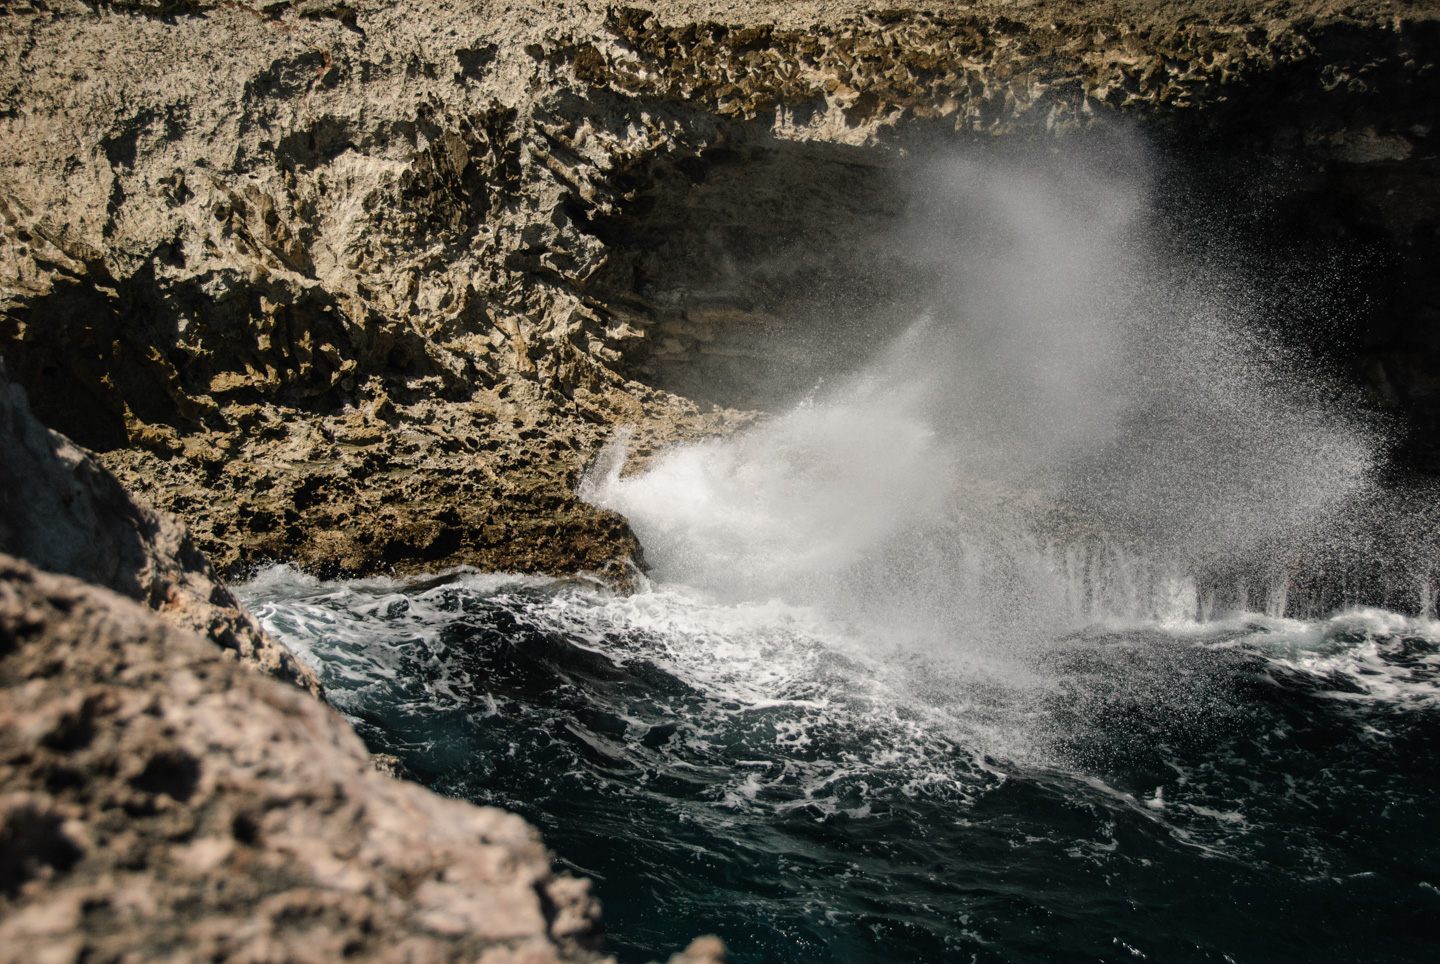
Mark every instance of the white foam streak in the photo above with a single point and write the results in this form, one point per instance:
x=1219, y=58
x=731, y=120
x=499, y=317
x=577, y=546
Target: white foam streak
x=1367, y=650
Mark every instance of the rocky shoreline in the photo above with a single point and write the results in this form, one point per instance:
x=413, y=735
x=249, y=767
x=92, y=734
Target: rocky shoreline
x=159, y=800
x=366, y=287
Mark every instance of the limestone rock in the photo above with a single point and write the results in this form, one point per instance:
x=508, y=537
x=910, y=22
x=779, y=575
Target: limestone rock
x=321, y=236
x=158, y=802
x=64, y=513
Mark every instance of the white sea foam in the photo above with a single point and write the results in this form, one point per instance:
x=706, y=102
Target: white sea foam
x=776, y=708
x=1048, y=525
x=1035, y=557
x=1364, y=655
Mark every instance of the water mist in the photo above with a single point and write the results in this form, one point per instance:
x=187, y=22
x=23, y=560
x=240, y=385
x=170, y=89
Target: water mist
x=1077, y=429
x=966, y=655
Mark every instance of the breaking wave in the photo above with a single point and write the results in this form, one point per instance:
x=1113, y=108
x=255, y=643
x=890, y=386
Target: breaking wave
x=1075, y=625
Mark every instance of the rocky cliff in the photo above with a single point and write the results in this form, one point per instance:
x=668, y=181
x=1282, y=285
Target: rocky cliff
x=365, y=285
x=159, y=801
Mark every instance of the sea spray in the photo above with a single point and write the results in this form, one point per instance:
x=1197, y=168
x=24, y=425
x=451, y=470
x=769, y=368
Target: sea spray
x=979, y=651
x=1075, y=430
x=755, y=770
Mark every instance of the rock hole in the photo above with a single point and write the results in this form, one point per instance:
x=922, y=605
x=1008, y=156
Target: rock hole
x=31, y=840
x=172, y=772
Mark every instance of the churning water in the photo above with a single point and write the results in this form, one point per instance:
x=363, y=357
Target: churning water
x=1249, y=789
x=1039, y=637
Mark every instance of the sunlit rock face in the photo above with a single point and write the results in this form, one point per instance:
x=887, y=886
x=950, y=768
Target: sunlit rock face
x=365, y=286
x=160, y=802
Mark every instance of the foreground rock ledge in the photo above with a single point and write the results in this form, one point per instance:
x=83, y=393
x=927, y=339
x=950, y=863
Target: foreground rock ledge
x=158, y=802
x=159, y=799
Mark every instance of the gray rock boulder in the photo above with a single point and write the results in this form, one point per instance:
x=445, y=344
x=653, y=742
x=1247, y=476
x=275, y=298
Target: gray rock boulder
x=65, y=513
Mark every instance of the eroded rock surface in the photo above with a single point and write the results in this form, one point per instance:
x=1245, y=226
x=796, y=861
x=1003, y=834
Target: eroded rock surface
x=158, y=802
x=64, y=513
x=366, y=285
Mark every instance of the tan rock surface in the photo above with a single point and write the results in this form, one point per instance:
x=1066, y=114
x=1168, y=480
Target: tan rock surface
x=159, y=803
x=365, y=286
x=64, y=513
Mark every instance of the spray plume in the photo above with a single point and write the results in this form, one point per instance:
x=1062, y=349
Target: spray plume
x=1076, y=429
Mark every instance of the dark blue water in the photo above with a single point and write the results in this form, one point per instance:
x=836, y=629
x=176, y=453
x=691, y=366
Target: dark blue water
x=1253, y=789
